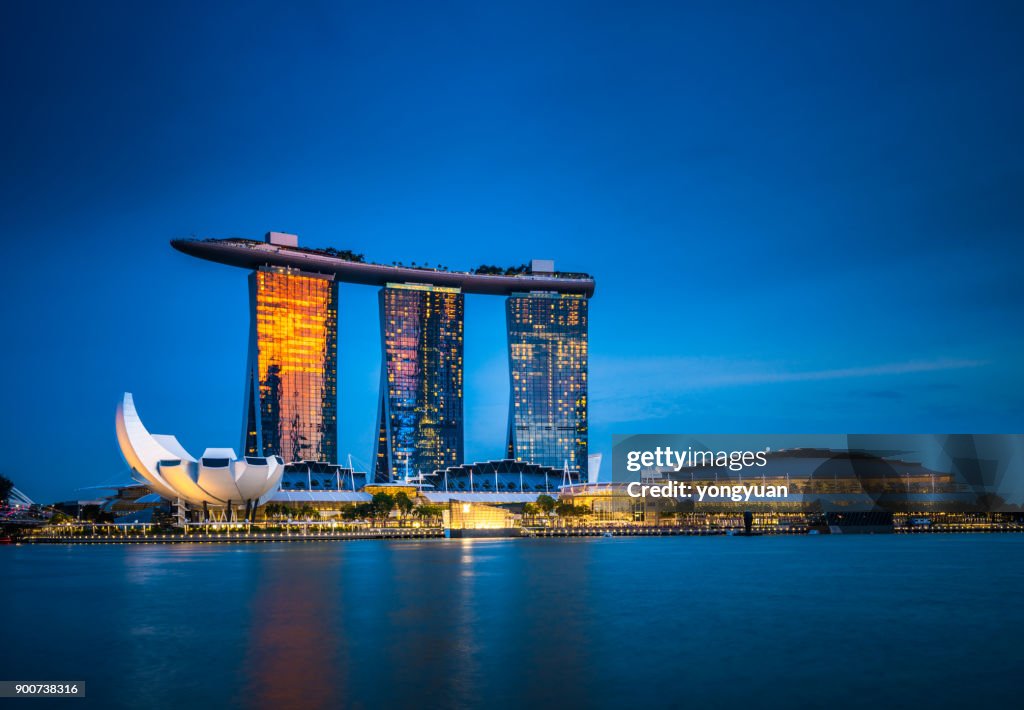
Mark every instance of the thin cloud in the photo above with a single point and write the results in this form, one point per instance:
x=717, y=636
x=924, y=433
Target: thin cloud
x=635, y=389
x=898, y=368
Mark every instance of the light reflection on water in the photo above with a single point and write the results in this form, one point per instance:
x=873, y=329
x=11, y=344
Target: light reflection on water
x=789, y=621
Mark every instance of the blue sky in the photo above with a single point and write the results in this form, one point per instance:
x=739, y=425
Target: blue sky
x=801, y=218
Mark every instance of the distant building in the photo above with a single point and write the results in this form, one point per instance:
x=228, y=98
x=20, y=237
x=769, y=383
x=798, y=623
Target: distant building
x=133, y=502
x=17, y=499
x=420, y=426
x=87, y=510
x=547, y=355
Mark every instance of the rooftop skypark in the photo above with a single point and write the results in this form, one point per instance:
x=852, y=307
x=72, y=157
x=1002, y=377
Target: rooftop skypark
x=352, y=267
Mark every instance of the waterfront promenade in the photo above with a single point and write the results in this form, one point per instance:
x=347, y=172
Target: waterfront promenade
x=157, y=538
x=144, y=533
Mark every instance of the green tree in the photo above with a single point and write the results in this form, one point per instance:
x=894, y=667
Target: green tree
x=309, y=512
x=404, y=504
x=545, y=504
x=429, y=512
x=530, y=511
x=6, y=486
x=565, y=510
x=382, y=505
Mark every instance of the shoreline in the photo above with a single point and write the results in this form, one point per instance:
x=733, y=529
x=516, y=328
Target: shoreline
x=440, y=533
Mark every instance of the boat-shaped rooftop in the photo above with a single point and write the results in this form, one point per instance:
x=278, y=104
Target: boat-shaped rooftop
x=282, y=250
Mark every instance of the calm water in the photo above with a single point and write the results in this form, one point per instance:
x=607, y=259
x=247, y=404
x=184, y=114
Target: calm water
x=833, y=621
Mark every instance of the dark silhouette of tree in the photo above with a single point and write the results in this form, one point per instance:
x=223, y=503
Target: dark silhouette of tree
x=545, y=504
x=382, y=505
x=404, y=504
x=429, y=512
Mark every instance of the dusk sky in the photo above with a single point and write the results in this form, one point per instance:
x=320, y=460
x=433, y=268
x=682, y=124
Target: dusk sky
x=800, y=218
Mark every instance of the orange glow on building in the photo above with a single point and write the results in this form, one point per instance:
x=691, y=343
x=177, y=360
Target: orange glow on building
x=293, y=381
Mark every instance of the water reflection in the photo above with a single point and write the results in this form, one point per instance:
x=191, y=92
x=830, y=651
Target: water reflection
x=573, y=623
x=293, y=649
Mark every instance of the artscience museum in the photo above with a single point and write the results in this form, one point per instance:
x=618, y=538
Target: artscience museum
x=219, y=483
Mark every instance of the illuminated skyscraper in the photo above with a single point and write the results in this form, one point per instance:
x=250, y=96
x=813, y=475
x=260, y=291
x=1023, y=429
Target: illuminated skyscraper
x=292, y=384
x=420, y=414
x=547, y=353
x=291, y=393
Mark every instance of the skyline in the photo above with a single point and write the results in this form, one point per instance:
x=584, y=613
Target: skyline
x=771, y=256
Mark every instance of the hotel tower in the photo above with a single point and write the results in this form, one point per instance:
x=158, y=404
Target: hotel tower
x=291, y=390
x=547, y=362
x=420, y=413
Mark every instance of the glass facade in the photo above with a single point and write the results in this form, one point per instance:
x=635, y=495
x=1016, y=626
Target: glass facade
x=547, y=352
x=292, y=386
x=420, y=416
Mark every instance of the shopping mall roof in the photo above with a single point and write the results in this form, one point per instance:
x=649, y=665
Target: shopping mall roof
x=444, y=497
x=320, y=497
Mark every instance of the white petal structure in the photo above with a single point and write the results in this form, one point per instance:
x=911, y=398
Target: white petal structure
x=219, y=477
x=142, y=451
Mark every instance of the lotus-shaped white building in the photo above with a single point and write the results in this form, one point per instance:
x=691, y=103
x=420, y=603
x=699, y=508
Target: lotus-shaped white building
x=219, y=478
